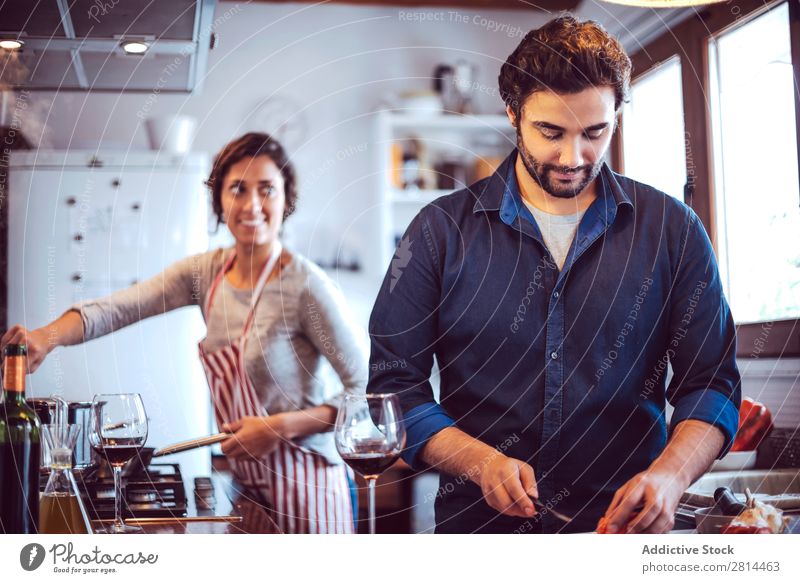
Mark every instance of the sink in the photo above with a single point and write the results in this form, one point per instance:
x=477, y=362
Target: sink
x=781, y=488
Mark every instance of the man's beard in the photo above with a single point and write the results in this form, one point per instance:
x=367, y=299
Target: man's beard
x=543, y=173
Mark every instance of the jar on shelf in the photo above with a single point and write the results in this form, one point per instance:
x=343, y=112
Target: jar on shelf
x=490, y=149
x=451, y=172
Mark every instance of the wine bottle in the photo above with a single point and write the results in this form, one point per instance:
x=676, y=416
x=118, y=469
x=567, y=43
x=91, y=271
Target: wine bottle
x=20, y=449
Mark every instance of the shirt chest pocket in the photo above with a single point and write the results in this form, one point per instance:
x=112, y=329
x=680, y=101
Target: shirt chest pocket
x=486, y=313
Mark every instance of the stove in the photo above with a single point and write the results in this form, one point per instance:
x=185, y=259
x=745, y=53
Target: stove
x=155, y=492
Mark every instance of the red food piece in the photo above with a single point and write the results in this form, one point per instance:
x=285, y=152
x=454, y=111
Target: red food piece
x=755, y=423
x=602, y=527
x=743, y=529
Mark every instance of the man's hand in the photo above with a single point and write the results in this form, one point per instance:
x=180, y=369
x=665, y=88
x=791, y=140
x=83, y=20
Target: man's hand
x=657, y=490
x=655, y=494
x=253, y=436
x=508, y=485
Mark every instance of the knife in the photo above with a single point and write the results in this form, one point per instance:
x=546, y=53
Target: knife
x=544, y=509
x=191, y=444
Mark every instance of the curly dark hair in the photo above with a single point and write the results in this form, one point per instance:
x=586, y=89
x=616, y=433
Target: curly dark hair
x=249, y=146
x=565, y=56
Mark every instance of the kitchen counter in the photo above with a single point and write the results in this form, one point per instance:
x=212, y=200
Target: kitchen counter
x=179, y=526
x=234, y=513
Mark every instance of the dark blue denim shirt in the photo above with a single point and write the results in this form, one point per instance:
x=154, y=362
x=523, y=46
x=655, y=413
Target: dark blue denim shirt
x=566, y=369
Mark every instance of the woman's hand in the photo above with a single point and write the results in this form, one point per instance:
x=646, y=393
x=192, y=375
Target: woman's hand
x=254, y=436
x=39, y=346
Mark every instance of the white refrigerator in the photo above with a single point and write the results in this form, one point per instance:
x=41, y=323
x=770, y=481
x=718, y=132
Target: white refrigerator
x=82, y=225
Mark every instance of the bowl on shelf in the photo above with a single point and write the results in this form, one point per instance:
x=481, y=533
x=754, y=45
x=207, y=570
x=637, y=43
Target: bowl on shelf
x=425, y=103
x=171, y=133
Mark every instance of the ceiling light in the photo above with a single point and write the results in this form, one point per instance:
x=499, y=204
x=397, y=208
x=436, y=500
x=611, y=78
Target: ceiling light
x=11, y=44
x=135, y=47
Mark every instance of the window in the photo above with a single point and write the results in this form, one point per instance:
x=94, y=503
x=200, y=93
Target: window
x=731, y=71
x=652, y=130
x=756, y=167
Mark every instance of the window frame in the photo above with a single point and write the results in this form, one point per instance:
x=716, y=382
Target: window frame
x=689, y=42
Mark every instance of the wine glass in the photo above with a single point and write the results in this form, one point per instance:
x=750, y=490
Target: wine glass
x=118, y=432
x=370, y=436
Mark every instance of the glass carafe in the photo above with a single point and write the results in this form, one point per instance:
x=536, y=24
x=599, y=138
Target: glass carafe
x=61, y=509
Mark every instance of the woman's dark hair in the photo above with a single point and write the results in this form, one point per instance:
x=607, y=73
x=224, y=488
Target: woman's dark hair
x=565, y=56
x=249, y=146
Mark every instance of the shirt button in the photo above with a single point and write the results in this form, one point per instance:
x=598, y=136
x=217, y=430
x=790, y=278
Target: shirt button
x=554, y=355
x=555, y=294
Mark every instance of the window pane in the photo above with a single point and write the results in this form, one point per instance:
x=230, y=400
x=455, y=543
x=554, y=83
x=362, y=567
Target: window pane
x=652, y=130
x=755, y=168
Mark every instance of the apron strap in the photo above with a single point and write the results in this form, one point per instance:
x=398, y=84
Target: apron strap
x=269, y=266
x=275, y=254
x=213, y=291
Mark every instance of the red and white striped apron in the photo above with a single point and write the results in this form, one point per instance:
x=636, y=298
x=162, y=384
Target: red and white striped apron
x=305, y=493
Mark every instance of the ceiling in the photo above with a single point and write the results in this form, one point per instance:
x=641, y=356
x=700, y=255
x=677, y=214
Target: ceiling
x=526, y=5
x=75, y=44
x=633, y=25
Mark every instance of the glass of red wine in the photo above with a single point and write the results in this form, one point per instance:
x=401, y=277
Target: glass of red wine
x=370, y=436
x=118, y=432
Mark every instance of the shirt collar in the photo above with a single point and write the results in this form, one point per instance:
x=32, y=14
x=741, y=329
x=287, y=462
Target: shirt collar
x=501, y=193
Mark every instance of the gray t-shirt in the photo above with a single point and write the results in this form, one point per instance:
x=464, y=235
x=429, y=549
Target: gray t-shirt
x=558, y=231
x=302, y=330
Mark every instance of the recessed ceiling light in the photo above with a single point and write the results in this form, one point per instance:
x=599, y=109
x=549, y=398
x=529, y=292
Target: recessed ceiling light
x=11, y=44
x=134, y=47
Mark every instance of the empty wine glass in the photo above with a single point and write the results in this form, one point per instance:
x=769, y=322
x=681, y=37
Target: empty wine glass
x=369, y=436
x=118, y=432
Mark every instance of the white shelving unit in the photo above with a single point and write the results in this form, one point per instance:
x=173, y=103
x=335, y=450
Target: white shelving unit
x=442, y=134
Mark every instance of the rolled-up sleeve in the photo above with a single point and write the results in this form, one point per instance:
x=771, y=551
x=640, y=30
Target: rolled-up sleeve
x=706, y=384
x=403, y=332
x=422, y=423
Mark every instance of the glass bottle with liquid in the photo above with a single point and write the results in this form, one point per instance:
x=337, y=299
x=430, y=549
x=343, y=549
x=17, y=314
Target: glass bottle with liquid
x=61, y=509
x=20, y=448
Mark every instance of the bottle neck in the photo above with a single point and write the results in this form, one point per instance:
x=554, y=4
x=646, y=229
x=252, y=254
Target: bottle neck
x=14, y=378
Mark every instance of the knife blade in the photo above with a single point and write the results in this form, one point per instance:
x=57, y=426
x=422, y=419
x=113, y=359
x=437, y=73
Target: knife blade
x=542, y=509
x=191, y=444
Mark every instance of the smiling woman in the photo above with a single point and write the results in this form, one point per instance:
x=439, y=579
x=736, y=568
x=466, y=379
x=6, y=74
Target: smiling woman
x=275, y=324
x=250, y=146
x=253, y=190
